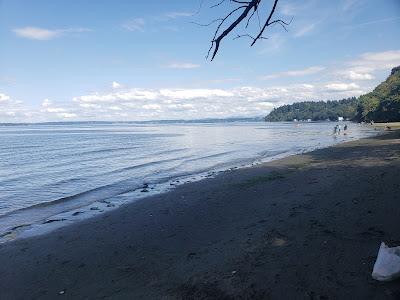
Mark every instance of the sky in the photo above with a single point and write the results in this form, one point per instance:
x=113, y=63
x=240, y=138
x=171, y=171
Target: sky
x=123, y=60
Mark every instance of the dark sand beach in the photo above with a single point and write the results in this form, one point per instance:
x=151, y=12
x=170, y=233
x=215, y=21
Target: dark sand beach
x=304, y=227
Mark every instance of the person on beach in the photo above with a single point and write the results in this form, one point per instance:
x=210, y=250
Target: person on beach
x=345, y=129
x=336, y=129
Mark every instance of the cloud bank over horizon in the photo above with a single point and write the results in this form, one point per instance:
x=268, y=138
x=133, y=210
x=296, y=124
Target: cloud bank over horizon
x=124, y=103
x=154, y=104
x=42, y=34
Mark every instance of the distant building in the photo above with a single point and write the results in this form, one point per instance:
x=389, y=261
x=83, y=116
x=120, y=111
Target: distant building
x=308, y=120
x=294, y=120
x=340, y=118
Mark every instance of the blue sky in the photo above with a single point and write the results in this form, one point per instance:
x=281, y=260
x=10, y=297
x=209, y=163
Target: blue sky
x=132, y=60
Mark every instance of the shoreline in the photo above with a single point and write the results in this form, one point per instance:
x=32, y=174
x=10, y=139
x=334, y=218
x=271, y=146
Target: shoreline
x=43, y=219
x=305, y=226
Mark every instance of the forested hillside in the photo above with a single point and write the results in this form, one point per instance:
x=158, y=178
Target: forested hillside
x=383, y=103
x=316, y=111
x=380, y=105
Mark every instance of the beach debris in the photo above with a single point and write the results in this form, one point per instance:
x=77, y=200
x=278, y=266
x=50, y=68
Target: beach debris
x=278, y=242
x=94, y=208
x=53, y=220
x=387, y=265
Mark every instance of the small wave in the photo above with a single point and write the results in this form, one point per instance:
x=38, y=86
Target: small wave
x=210, y=156
x=152, y=163
x=41, y=211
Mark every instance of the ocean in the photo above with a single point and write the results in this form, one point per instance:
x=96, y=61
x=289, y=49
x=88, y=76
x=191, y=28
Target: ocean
x=53, y=172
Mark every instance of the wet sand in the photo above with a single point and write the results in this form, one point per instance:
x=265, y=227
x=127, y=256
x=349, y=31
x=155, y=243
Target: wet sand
x=304, y=227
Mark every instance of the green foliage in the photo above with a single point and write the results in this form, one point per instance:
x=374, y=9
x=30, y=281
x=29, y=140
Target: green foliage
x=383, y=103
x=316, y=111
x=380, y=105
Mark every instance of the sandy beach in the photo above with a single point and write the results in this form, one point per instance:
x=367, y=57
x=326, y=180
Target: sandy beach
x=305, y=227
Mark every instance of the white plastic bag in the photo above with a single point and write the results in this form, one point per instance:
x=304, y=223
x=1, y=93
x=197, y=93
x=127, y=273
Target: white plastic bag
x=387, y=265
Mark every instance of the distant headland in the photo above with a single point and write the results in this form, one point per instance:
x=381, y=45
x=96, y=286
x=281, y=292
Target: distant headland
x=380, y=105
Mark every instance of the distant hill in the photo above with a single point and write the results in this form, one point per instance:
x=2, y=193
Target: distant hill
x=316, y=111
x=383, y=103
x=380, y=105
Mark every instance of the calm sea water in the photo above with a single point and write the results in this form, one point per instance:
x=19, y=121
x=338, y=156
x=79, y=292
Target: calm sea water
x=49, y=169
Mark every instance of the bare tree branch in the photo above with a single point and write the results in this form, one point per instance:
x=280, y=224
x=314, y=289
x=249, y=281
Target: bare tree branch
x=218, y=4
x=246, y=10
x=267, y=23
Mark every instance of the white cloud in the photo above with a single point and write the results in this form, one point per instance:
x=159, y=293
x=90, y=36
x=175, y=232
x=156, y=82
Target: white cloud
x=36, y=33
x=349, y=4
x=178, y=14
x=374, y=61
x=67, y=115
x=172, y=103
x=55, y=109
x=4, y=97
x=145, y=104
x=46, y=103
x=50, y=111
x=12, y=110
x=358, y=76
x=8, y=80
x=288, y=9
x=368, y=66
x=114, y=107
x=188, y=103
x=296, y=73
x=306, y=29
x=182, y=66
x=194, y=93
x=274, y=43
x=116, y=85
x=386, y=56
x=151, y=106
x=89, y=105
x=136, y=24
x=384, y=20
x=129, y=95
x=342, y=86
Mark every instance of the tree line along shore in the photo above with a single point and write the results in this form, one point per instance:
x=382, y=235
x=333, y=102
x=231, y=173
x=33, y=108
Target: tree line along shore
x=380, y=105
